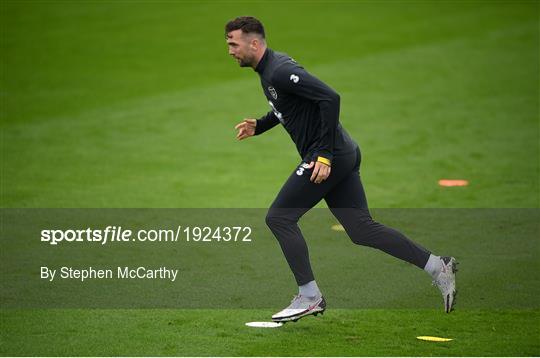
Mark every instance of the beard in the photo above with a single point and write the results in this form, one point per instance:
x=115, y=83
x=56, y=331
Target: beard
x=243, y=64
x=247, y=62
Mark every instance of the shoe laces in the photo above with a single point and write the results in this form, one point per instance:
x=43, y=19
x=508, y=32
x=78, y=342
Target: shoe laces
x=299, y=301
x=295, y=301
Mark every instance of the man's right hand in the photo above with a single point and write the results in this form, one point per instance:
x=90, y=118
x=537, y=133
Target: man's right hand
x=246, y=128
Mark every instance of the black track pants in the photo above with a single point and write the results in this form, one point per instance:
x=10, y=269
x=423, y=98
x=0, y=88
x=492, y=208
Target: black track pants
x=344, y=194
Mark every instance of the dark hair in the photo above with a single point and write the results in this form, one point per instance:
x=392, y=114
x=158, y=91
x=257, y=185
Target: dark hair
x=248, y=25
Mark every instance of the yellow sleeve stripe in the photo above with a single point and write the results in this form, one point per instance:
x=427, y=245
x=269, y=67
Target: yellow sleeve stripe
x=323, y=160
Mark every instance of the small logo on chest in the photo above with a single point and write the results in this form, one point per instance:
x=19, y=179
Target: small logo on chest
x=273, y=92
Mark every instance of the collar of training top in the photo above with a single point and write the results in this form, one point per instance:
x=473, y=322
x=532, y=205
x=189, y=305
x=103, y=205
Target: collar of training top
x=264, y=60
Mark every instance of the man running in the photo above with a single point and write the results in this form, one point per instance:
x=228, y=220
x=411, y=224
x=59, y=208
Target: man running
x=309, y=111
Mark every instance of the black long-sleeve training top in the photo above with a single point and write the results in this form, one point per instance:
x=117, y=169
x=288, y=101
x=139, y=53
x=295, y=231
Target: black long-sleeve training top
x=307, y=108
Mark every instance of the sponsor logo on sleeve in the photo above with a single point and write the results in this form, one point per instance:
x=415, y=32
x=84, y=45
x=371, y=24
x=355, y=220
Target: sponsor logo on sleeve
x=273, y=92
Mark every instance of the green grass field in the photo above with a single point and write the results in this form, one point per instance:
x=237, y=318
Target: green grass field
x=372, y=332
x=116, y=104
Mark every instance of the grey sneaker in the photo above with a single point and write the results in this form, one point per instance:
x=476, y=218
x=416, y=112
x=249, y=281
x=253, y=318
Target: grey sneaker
x=446, y=282
x=300, y=307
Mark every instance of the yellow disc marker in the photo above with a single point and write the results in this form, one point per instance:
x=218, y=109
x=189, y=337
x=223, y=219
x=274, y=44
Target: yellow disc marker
x=338, y=227
x=433, y=339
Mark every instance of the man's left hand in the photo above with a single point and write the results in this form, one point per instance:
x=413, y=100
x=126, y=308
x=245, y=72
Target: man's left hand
x=320, y=172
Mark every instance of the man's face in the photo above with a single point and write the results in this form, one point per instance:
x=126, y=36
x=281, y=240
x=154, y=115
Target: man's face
x=241, y=47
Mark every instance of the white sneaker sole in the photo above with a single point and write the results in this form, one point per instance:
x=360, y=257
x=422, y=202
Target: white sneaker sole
x=450, y=299
x=295, y=318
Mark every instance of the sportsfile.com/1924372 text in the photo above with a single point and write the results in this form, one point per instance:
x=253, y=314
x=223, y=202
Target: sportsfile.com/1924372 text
x=117, y=234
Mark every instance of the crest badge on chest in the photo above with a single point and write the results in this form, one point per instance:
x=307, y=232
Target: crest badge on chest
x=273, y=92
